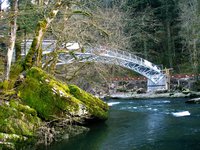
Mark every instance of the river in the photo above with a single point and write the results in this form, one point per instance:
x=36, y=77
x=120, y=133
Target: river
x=149, y=124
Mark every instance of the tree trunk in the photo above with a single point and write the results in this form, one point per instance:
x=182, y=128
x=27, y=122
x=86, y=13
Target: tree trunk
x=145, y=49
x=13, y=25
x=18, y=49
x=0, y=8
x=198, y=7
x=195, y=54
x=35, y=51
x=25, y=38
x=169, y=45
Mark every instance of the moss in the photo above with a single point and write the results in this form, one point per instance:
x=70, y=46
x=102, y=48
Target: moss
x=15, y=71
x=23, y=108
x=5, y=85
x=42, y=76
x=9, y=92
x=53, y=99
x=97, y=107
x=18, y=119
x=48, y=96
x=42, y=25
x=1, y=85
x=39, y=57
x=9, y=141
x=53, y=64
x=18, y=49
x=2, y=61
x=51, y=14
x=28, y=62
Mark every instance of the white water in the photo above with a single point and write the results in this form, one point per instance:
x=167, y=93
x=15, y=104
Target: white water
x=113, y=103
x=181, y=114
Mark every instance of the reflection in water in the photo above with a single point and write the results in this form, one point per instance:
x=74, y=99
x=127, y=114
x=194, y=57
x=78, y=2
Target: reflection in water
x=155, y=126
x=142, y=125
x=90, y=141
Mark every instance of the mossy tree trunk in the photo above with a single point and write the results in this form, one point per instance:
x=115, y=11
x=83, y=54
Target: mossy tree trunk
x=18, y=48
x=35, y=51
x=52, y=61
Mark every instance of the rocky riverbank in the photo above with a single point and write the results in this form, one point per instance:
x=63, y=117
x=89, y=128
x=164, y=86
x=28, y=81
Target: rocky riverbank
x=153, y=95
x=41, y=108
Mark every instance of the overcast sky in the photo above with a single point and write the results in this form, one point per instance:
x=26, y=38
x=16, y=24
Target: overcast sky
x=4, y=4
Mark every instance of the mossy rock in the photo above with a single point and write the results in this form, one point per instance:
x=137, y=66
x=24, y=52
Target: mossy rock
x=95, y=106
x=19, y=119
x=11, y=141
x=18, y=124
x=53, y=99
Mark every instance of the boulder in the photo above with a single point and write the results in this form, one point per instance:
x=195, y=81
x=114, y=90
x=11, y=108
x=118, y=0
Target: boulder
x=97, y=109
x=52, y=98
x=18, y=122
x=140, y=91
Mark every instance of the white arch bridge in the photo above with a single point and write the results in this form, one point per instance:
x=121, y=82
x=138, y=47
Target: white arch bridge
x=156, y=79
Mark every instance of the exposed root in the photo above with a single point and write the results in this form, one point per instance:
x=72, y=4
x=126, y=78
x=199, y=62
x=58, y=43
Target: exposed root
x=58, y=129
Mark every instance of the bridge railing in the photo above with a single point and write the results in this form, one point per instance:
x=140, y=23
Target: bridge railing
x=124, y=55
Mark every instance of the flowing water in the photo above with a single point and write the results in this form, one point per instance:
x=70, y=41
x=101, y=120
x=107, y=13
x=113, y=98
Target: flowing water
x=153, y=124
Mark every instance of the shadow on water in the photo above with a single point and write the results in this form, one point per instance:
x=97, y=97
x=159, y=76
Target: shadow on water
x=91, y=140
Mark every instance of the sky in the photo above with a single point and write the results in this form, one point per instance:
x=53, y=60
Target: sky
x=4, y=4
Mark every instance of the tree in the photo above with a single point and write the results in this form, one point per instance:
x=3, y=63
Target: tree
x=13, y=30
x=28, y=17
x=168, y=13
x=41, y=29
x=190, y=26
x=153, y=25
x=90, y=29
x=143, y=25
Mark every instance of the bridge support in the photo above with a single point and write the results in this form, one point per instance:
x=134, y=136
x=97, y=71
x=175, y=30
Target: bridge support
x=161, y=85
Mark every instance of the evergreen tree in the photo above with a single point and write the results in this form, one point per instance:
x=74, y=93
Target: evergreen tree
x=190, y=27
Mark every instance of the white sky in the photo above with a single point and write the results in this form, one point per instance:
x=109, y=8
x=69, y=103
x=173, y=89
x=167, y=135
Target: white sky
x=4, y=4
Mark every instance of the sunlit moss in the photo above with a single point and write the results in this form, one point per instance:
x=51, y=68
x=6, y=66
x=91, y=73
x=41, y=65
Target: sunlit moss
x=9, y=141
x=96, y=107
x=18, y=119
x=52, y=98
x=48, y=96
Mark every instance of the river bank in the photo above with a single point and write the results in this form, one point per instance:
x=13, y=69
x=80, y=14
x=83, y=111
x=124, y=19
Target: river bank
x=152, y=95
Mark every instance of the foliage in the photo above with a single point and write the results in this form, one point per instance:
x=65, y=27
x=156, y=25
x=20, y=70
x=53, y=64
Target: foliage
x=190, y=17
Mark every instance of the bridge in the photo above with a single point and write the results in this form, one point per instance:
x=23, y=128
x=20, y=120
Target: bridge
x=156, y=79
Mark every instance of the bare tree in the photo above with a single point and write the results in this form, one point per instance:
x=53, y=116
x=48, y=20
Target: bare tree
x=13, y=26
x=104, y=26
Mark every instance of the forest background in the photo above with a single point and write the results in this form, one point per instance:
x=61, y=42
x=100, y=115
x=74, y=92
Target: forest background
x=165, y=32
